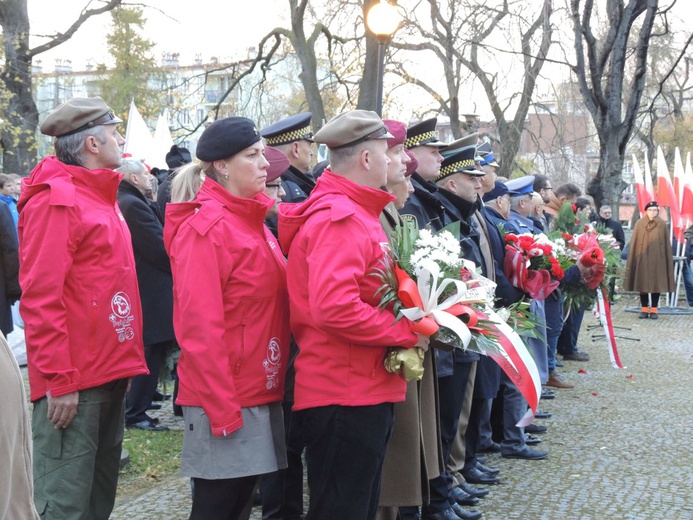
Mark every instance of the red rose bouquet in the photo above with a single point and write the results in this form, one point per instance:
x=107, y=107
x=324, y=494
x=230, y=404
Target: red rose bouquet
x=530, y=264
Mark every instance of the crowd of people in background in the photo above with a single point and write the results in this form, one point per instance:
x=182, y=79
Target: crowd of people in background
x=259, y=267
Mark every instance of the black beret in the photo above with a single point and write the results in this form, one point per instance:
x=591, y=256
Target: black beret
x=652, y=204
x=225, y=138
x=178, y=156
x=78, y=114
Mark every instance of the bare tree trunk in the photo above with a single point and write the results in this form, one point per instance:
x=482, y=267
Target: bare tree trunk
x=305, y=50
x=18, y=138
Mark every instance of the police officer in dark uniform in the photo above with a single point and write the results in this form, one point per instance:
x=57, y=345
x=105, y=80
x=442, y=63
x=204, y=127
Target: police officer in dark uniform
x=423, y=206
x=458, y=187
x=294, y=137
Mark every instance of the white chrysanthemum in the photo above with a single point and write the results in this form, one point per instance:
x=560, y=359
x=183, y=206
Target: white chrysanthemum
x=429, y=264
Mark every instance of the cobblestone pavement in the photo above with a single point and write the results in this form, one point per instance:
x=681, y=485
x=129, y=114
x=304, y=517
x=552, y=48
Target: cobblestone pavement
x=619, y=442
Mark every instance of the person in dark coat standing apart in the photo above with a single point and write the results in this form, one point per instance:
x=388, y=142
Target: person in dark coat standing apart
x=650, y=264
x=9, y=269
x=81, y=307
x=343, y=394
x=156, y=287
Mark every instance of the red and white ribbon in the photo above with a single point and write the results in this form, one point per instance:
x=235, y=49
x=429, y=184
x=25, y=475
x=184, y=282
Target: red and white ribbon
x=604, y=310
x=518, y=364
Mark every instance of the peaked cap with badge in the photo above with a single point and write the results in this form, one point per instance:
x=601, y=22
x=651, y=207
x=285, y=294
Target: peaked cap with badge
x=288, y=130
x=521, y=186
x=485, y=155
x=461, y=161
x=423, y=134
x=460, y=144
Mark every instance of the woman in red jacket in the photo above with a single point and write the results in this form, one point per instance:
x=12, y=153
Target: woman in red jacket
x=230, y=318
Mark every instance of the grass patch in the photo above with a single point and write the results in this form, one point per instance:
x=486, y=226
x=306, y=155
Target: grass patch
x=154, y=456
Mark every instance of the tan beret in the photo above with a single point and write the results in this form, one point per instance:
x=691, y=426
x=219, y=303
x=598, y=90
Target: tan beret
x=78, y=114
x=352, y=128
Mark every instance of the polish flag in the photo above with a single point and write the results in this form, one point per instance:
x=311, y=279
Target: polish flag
x=666, y=195
x=649, y=189
x=687, y=198
x=678, y=176
x=640, y=189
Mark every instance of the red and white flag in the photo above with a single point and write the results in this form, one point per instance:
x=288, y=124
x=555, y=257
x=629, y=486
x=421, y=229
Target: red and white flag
x=640, y=189
x=687, y=198
x=666, y=195
x=648, y=181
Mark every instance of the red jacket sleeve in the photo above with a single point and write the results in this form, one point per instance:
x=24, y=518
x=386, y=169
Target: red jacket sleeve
x=201, y=267
x=49, y=238
x=338, y=263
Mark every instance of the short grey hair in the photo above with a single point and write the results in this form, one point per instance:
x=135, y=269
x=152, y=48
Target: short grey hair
x=70, y=148
x=131, y=167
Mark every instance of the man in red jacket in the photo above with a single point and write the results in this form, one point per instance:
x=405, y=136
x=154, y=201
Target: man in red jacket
x=82, y=311
x=343, y=393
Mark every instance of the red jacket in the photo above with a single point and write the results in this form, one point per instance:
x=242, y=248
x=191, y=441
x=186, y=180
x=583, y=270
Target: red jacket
x=230, y=305
x=335, y=241
x=80, y=300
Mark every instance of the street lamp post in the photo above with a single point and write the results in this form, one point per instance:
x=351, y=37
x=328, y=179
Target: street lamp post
x=382, y=20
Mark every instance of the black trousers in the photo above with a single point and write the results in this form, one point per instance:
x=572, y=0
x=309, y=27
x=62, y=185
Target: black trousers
x=452, y=391
x=139, y=398
x=345, y=448
x=645, y=299
x=222, y=499
x=568, y=340
x=282, y=491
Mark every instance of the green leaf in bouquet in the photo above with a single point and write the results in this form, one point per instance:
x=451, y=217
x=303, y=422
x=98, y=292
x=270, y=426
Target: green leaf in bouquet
x=453, y=228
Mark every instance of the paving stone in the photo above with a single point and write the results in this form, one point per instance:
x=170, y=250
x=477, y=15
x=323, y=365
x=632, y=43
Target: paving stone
x=624, y=453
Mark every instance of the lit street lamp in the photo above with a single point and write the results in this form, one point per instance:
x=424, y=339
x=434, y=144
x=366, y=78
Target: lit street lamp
x=382, y=20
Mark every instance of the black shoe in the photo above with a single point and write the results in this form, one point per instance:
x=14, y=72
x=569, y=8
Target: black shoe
x=474, y=491
x=482, y=458
x=559, y=364
x=547, y=394
x=493, y=448
x=154, y=406
x=643, y=315
x=532, y=441
x=654, y=316
x=445, y=514
x=542, y=415
x=148, y=425
x=535, y=428
x=462, y=497
x=158, y=396
x=486, y=469
x=526, y=454
x=465, y=513
x=476, y=476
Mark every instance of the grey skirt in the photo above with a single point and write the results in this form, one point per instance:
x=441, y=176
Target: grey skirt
x=256, y=448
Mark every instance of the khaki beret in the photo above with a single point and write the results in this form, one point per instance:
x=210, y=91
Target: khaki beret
x=78, y=114
x=352, y=128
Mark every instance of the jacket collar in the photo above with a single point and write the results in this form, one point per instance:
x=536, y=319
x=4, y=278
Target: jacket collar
x=251, y=209
x=373, y=200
